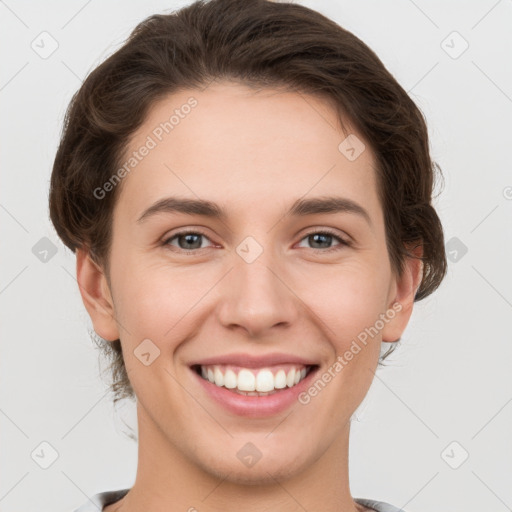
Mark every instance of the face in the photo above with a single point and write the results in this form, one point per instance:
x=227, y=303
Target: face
x=264, y=285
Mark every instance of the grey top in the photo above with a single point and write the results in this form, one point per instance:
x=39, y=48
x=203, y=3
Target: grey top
x=98, y=501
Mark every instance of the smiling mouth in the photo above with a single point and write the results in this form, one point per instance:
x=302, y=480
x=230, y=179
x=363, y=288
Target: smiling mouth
x=253, y=381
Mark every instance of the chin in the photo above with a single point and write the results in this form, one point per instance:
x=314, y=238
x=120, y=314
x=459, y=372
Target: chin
x=263, y=472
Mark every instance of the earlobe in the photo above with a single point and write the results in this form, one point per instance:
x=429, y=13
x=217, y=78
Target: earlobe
x=402, y=301
x=96, y=296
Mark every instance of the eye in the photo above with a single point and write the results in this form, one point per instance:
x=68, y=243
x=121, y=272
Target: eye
x=325, y=237
x=188, y=241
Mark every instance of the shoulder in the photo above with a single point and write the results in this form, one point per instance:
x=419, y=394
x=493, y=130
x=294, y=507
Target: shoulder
x=100, y=500
x=378, y=506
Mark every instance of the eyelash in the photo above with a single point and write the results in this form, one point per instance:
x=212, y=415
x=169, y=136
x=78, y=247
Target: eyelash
x=342, y=241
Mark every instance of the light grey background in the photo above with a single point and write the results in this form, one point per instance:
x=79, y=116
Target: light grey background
x=450, y=381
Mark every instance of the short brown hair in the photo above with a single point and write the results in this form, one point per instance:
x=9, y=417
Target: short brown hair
x=262, y=44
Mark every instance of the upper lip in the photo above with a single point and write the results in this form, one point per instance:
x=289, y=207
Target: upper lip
x=254, y=361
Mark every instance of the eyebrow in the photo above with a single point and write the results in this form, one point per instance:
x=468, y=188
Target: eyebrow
x=300, y=208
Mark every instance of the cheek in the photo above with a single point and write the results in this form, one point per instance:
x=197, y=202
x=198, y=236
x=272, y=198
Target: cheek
x=153, y=297
x=347, y=299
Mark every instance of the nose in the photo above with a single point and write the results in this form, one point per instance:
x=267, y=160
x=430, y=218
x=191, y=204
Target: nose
x=255, y=297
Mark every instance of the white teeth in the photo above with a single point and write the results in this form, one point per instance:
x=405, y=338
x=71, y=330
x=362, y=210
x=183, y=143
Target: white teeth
x=264, y=380
x=219, y=378
x=280, y=379
x=230, y=379
x=290, y=378
x=246, y=381
x=251, y=382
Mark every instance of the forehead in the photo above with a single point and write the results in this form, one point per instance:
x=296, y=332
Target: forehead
x=245, y=149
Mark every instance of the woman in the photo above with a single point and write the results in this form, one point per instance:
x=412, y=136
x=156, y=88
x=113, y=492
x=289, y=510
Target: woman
x=248, y=192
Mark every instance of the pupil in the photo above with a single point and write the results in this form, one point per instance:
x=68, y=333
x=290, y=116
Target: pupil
x=316, y=236
x=188, y=240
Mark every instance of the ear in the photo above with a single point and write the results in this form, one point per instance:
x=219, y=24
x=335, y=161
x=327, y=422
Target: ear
x=96, y=296
x=402, y=295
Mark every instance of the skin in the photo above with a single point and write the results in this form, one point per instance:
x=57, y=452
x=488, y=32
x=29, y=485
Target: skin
x=253, y=153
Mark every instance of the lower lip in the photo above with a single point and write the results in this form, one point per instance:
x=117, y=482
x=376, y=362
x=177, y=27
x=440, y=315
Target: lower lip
x=256, y=406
